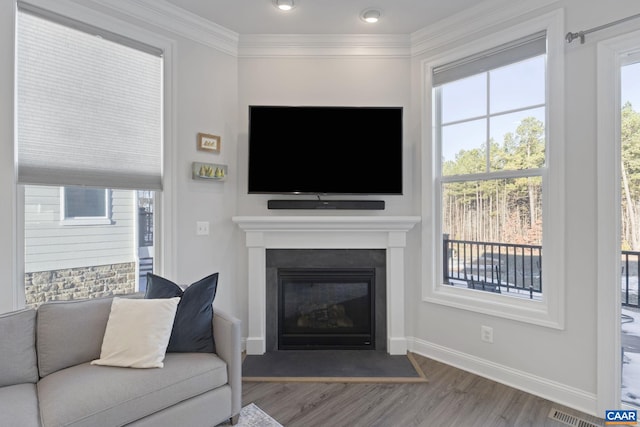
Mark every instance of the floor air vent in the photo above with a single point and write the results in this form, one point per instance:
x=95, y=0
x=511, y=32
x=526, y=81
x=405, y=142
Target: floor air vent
x=569, y=419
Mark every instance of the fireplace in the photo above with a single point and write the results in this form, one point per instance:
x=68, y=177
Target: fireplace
x=326, y=308
x=326, y=299
x=268, y=234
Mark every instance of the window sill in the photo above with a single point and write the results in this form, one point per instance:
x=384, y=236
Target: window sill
x=499, y=305
x=86, y=221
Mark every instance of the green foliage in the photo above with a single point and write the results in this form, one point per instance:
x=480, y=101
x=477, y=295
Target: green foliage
x=498, y=210
x=509, y=210
x=630, y=159
x=630, y=136
x=525, y=149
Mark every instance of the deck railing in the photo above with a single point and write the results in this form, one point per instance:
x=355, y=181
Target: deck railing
x=508, y=267
x=146, y=266
x=629, y=270
x=145, y=228
x=494, y=267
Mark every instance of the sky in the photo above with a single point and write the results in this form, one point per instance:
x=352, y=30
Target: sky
x=630, y=83
x=512, y=87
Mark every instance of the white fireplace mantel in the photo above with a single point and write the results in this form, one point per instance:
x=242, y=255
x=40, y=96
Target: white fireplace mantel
x=326, y=232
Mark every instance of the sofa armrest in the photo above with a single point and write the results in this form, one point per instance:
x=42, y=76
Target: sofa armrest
x=226, y=331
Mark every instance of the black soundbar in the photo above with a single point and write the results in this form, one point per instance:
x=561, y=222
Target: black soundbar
x=327, y=204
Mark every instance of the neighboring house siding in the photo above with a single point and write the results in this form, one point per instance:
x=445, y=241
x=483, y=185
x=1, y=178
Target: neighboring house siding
x=50, y=244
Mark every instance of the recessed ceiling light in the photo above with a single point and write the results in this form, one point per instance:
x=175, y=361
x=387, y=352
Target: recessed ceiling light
x=370, y=15
x=285, y=5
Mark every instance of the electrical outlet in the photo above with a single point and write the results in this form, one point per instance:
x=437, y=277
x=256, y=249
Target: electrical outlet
x=486, y=334
x=202, y=228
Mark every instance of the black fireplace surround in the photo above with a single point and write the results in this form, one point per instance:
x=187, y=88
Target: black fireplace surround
x=326, y=299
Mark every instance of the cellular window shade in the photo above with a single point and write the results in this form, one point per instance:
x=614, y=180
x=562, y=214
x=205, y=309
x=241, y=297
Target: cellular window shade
x=89, y=110
x=509, y=53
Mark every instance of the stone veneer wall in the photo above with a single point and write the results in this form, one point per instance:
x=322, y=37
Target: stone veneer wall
x=79, y=283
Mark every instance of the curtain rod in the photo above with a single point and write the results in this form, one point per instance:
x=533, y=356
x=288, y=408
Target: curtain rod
x=580, y=34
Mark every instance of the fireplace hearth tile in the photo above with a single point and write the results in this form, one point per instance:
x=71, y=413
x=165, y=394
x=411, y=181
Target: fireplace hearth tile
x=320, y=365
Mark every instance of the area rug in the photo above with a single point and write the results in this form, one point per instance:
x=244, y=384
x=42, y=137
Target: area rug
x=252, y=416
x=363, y=366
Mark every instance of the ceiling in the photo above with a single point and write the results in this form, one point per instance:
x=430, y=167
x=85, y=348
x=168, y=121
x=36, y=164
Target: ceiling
x=324, y=16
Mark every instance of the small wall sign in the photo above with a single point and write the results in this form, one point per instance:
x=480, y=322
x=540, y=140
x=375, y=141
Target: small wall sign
x=208, y=142
x=209, y=171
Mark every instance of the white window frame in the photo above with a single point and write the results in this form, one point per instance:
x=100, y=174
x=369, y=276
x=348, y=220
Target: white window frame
x=165, y=227
x=104, y=219
x=549, y=311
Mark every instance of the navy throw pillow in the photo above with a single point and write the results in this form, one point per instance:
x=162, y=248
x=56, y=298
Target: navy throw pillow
x=192, y=328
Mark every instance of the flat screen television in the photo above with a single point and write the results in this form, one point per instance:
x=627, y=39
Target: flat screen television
x=325, y=150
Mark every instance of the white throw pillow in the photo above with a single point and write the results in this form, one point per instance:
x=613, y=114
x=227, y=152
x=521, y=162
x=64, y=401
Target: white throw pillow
x=138, y=332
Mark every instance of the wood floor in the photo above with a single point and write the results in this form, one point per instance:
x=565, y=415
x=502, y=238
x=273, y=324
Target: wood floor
x=452, y=397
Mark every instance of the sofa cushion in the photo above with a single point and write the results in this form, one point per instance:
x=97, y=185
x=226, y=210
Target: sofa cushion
x=18, y=362
x=192, y=329
x=89, y=395
x=137, y=332
x=70, y=332
x=19, y=406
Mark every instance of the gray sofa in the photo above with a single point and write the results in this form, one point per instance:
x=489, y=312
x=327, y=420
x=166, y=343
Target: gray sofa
x=46, y=378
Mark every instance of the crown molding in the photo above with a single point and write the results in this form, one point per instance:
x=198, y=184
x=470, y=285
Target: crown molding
x=471, y=21
x=177, y=20
x=301, y=45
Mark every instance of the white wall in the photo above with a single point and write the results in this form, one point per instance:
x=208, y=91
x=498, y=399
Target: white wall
x=206, y=102
x=351, y=81
x=7, y=193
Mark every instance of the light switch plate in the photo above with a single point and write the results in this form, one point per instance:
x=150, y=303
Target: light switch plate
x=202, y=228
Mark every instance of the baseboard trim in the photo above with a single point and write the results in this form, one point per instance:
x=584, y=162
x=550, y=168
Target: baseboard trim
x=547, y=389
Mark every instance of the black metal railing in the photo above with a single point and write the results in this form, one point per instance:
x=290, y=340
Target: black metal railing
x=145, y=228
x=146, y=266
x=630, y=286
x=505, y=267
x=494, y=267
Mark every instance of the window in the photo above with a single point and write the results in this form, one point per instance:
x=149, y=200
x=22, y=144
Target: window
x=85, y=204
x=491, y=188
x=490, y=126
x=89, y=156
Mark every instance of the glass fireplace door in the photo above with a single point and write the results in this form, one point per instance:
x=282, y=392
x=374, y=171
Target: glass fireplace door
x=326, y=308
